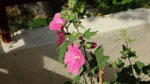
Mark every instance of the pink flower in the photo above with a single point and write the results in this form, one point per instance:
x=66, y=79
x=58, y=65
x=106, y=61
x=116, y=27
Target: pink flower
x=61, y=37
x=74, y=59
x=57, y=23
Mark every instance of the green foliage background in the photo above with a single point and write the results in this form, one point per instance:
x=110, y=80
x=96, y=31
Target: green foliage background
x=22, y=20
x=111, y=6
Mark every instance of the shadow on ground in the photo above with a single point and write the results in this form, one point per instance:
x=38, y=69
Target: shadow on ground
x=32, y=62
x=27, y=67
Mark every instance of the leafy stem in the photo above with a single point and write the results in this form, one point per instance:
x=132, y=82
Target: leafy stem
x=128, y=56
x=84, y=48
x=129, y=59
x=85, y=52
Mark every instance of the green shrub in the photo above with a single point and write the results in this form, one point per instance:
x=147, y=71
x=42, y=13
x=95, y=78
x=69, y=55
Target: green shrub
x=111, y=6
x=39, y=22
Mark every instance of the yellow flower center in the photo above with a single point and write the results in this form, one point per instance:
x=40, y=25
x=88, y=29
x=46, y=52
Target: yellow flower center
x=78, y=58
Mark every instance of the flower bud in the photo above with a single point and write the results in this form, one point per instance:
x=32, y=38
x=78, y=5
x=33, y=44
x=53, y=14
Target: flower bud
x=88, y=45
x=91, y=45
x=79, y=37
x=94, y=45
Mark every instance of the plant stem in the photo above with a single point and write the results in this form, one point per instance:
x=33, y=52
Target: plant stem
x=91, y=79
x=129, y=59
x=68, y=30
x=68, y=26
x=86, y=56
x=84, y=79
x=76, y=27
x=131, y=65
x=101, y=72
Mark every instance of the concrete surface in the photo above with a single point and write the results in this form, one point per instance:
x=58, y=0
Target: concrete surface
x=30, y=63
x=110, y=22
x=31, y=58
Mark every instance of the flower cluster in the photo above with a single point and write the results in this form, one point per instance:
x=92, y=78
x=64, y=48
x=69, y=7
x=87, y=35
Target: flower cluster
x=56, y=25
x=73, y=56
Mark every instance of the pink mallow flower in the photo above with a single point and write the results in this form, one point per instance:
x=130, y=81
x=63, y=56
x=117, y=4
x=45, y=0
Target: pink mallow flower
x=57, y=23
x=61, y=37
x=74, y=59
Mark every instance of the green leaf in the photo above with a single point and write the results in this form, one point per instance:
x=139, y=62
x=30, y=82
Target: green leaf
x=61, y=51
x=82, y=70
x=116, y=76
x=38, y=22
x=113, y=65
x=81, y=26
x=81, y=5
x=132, y=54
x=34, y=25
x=88, y=15
x=100, y=58
x=77, y=77
x=124, y=54
x=88, y=34
x=115, y=82
x=74, y=37
x=68, y=15
x=93, y=70
x=123, y=2
x=139, y=64
x=129, y=40
x=107, y=82
x=78, y=23
x=120, y=63
x=71, y=3
x=114, y=2
x=84, y=11
x=137, y=70
x=124, y=47
x=122, y=33
x=146, y=70
x=93, y=61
